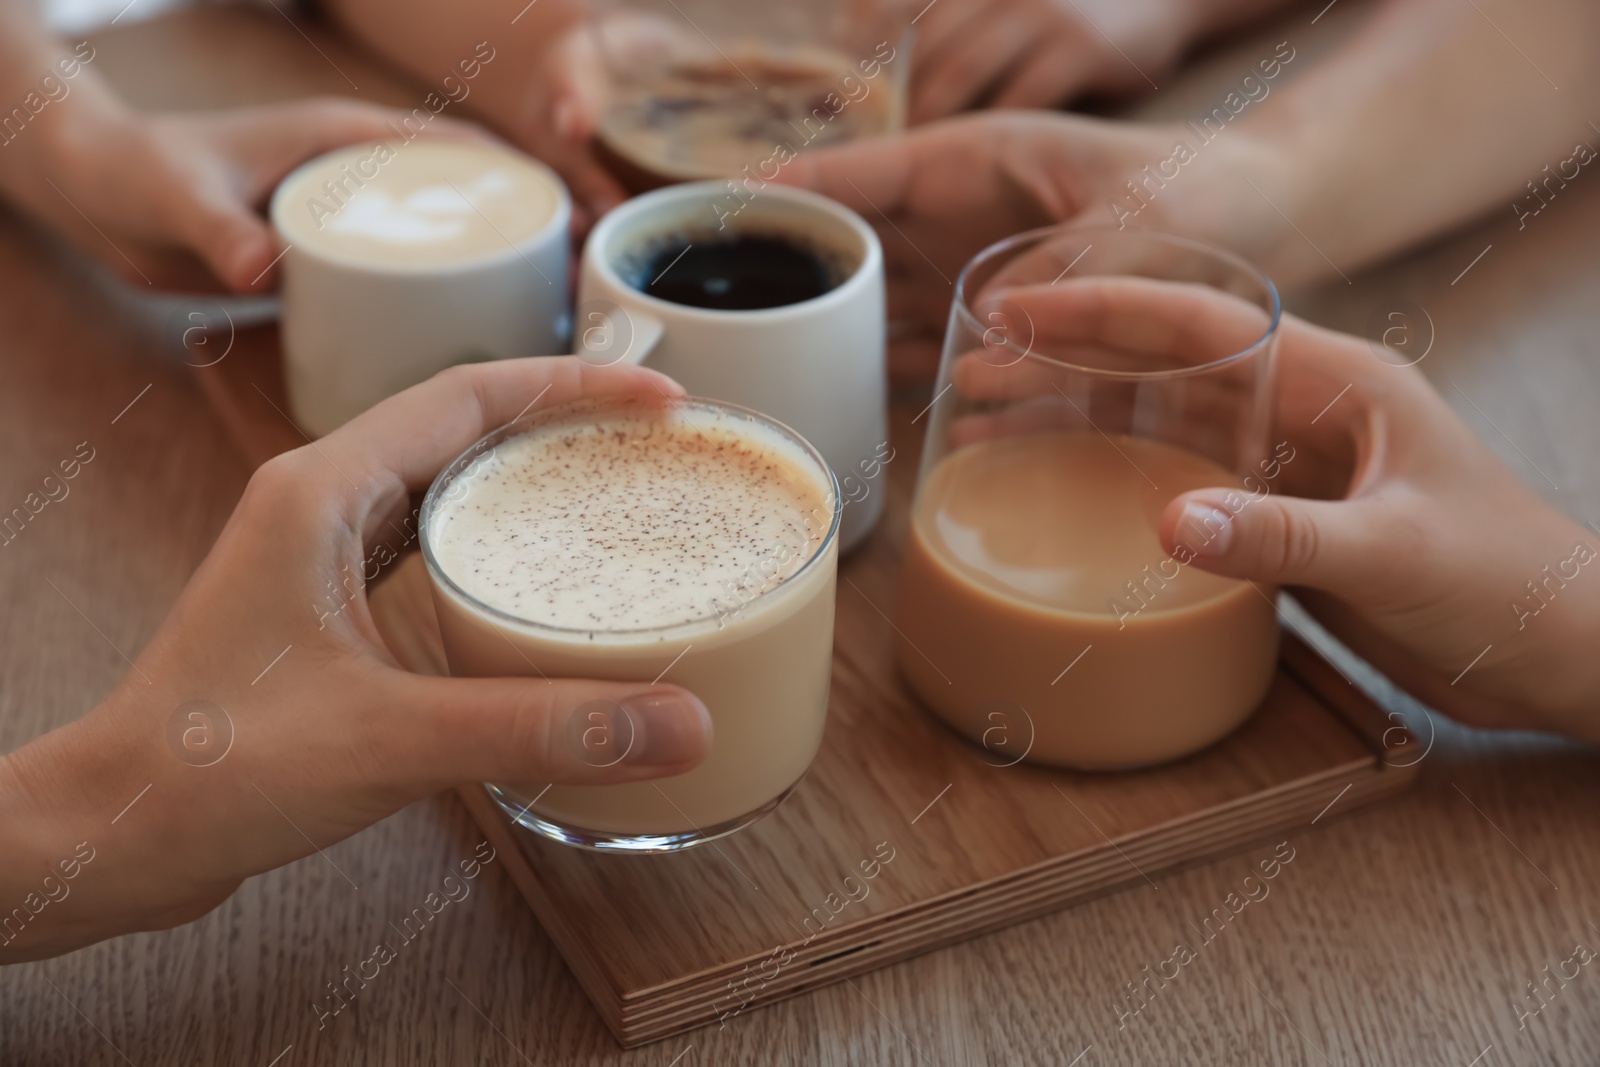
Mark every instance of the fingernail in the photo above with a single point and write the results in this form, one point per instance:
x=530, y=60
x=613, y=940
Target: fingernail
x=676, y=729
x=1205, y=530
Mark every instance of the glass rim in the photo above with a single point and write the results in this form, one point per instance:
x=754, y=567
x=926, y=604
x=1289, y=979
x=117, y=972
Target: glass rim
x=529, y=421
x=1244, y=266
x=897, y=22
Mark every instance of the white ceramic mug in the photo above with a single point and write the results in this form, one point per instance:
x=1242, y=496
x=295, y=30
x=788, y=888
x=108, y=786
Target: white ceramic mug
x=817, y=365
x=358, y=328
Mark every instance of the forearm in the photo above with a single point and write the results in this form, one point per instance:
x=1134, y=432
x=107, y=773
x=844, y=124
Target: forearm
x=430, y=40
x=49, y=852
x=46, y=86
x=105, y=831
x=26, y=48
x=1428, y=116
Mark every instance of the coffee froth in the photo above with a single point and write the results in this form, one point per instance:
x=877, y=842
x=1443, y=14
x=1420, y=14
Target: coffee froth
x=633, y=521
x=423, y=204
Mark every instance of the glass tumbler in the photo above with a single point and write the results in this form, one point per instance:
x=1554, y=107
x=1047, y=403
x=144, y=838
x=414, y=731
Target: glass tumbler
x=698, y=89
x=1089, y=376
x=757, y=649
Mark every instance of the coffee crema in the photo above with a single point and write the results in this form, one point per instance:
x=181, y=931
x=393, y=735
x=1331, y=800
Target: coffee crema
x=424, y=204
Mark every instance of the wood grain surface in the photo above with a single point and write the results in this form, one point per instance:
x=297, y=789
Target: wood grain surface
x=664, y=945
x=959, y=840
x=1402, y=934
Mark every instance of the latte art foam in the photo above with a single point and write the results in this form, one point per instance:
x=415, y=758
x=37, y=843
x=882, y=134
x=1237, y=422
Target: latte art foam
x=632, y=521
x=421, y=204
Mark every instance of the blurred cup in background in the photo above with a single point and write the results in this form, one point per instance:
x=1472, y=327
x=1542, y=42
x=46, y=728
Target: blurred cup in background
x=732, y=89
x=404, y=258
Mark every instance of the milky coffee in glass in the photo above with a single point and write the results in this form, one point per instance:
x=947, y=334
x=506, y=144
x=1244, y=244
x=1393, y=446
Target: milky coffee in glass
x=691, y=542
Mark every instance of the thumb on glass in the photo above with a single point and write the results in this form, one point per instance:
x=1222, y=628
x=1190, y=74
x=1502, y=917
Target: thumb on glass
x=532, y=729
x=1336, y=546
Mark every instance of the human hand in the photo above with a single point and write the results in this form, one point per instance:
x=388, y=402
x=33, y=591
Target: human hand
x=557, y=119
x=940, y=194
x=1389, y=518
x=1399, y=529
x=1040, y=53
x=174, y=200
x=332, y=735
x=538, y=81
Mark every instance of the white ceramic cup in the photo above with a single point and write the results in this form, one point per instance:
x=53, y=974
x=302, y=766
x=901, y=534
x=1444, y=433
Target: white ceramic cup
x=357, y=329
x=817, y=365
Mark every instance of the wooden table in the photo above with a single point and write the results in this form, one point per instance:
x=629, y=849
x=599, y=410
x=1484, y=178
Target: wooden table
x=1403, y=934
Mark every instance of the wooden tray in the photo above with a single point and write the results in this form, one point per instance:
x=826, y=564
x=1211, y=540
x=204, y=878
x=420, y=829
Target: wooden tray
x=956, y=844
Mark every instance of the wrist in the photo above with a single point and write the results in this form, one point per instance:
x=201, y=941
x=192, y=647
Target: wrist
x=88, y=121
x=1235, y=190
x=59, y=143
x=1247, y=192
x=69, y=814
x=48, y=850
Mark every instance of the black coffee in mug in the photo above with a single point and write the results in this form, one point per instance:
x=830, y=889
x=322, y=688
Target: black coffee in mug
x=743, y=272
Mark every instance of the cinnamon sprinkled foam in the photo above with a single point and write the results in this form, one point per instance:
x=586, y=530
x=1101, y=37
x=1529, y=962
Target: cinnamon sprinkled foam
x=630, y=521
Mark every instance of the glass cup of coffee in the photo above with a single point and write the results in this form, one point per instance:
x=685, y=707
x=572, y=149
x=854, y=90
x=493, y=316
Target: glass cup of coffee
x=727, y=89
x=646, y=540
x=1089, y=376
